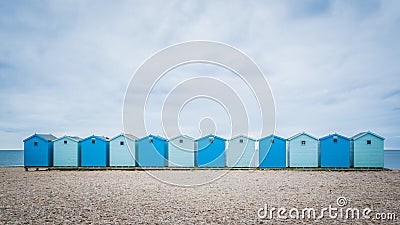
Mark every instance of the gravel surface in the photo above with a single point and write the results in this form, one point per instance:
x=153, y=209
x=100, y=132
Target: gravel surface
x=134, y=197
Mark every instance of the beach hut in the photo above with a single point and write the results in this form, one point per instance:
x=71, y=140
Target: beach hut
x=67, y=151
x=38, y=150
x=122, y=150
x=210, y=151
x=272, y=152
x=303, y=151
x=367, y=150
x=95, y=151
x=181, y=152
x=241, y=152
x=335, y=151
x=152, y=151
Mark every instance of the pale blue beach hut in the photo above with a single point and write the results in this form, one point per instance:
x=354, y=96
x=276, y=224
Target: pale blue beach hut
x=181, y=151
x=152, y=151
x=303, y=151
x=122, y=150
x=335, y=151
x=67, y=151
x=367, y=150
x=272, y=152
x=241, y=152
x=38, y=150
x=95, y=151
x=210, y=151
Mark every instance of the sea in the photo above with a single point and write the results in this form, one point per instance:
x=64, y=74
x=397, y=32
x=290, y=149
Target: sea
x=11, y=158
x=16, y=158
x=392, y=159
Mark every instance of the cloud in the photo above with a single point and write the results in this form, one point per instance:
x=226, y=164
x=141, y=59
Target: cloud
x=332, y=65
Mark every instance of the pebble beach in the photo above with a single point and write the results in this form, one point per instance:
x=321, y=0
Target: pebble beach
x=135, y=197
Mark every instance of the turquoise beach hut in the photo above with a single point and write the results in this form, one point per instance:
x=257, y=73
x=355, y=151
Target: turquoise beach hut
x=272, y=152
x=152, y=151
x=95, y=151
x=303, y=151
x=367, y=150
x=181, y=151
x=210, y=151
x=67, y=151
x=335, y=151
x=38, y=150
x=122, y=150
x=241, y=152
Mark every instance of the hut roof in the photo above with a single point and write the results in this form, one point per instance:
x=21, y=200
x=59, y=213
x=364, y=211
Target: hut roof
x=273, y=136
x=46, y=137
x=129, y=136
x=242, y=136
x=182, y=136
x=73, y=138
x=359, y=135
x=152, y=136
x=300, y=134
x=103, y=138
x=333, y=135
x=211, y=136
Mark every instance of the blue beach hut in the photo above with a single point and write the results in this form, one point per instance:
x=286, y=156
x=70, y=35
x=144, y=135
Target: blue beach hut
x=181, y=151
x=272, y=152
x=241, y=152
x=335, y=151
x=367, y=150
x=303, y=151
x=210, y=151
x=152, y=151
x=67, y=151
x=122, y=150
x=95, y=151
x=38, y=150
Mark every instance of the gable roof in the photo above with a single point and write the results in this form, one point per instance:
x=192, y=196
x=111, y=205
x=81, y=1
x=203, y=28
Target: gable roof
x=152, y=136
x=103, y=138
x=300, y=134
x=129, y=136
x=242, y=136
x=182, y=136
x=48, y=137
x=211, y=136
x=72, y=138
x=273, y=136
x=333, y=135
x=359, y=135
x=45, y=137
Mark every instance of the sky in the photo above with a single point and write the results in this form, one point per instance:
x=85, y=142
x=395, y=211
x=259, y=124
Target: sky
x=332, y=66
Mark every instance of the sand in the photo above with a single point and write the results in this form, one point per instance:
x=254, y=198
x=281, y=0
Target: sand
x=134, y=197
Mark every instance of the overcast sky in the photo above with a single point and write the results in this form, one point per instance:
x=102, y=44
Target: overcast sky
x=332, y=66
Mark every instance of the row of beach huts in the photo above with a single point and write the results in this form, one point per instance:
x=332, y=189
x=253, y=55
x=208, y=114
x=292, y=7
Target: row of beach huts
x=364, y=150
